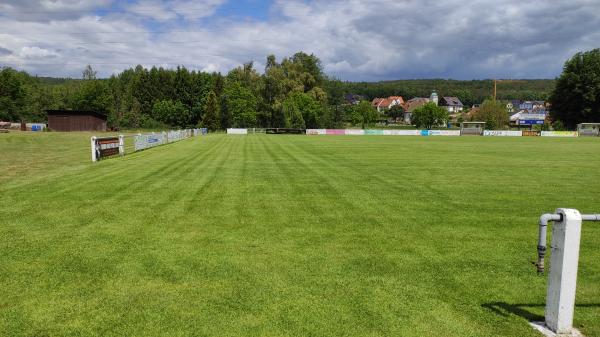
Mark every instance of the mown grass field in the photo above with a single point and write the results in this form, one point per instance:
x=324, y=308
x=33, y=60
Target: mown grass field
x=288, y=235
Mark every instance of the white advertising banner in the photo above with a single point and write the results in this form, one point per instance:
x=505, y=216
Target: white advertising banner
x=502, y=133
x=444, y=132
x=175, y=136
x=354, y=132
x=316, y=131
x=570, y=134
x=237, y=131
x=142, y=142
x=533, y=116
x=401, y=132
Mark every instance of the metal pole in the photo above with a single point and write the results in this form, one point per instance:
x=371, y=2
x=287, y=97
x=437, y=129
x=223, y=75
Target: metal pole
x=541, y=248
x=590, y=217
x=93, y=143
x=121, y=145
x=562, y=281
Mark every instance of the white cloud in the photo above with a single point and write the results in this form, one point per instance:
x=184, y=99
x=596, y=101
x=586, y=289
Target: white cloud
x=170, y=10
x=36, y=53
x=356, y=40
x=193, y=10
x=46, y=10
x=211, y=67
x=153, y=9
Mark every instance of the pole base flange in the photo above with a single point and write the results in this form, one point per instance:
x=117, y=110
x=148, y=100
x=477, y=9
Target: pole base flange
x=541, y=327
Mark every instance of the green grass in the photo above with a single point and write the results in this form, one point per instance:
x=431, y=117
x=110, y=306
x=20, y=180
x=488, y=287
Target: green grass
x=288, y=235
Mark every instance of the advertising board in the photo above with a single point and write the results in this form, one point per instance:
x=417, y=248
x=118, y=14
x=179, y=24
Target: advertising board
x=444, y=133
x=237, y=131
x=566, y=134
x=401, y=132
x=106, y=147
x=315, y=132
x=531, y=122
x=374, y=132
x=502, y=133
x=355, y=132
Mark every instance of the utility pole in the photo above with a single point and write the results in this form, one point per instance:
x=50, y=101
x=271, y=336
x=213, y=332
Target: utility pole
x=495, y=87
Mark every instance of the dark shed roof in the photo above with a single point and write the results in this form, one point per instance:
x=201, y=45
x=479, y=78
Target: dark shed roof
x=76, y=113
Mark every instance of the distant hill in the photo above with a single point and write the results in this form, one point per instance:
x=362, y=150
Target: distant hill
x=469, y=92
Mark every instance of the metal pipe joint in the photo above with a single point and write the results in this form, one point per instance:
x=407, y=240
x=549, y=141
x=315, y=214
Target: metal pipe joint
x=541, y=248
x=544, y=219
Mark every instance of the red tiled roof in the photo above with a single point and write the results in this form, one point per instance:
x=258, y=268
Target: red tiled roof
x=376, y=101
x=414, y=103
x=398, y=98
x=385, y=103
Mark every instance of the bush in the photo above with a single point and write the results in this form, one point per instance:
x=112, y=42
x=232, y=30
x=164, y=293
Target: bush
x=172, y=113
x=558, y=126
x=493, y=113
x=147, y=122
x=364, y=114
x=429, y=115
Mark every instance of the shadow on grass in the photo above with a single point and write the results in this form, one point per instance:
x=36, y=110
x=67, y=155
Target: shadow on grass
x=520, y=309
x=505, y=309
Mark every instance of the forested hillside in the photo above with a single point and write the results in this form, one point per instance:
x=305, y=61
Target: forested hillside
x=469, y=92
x=293, y=92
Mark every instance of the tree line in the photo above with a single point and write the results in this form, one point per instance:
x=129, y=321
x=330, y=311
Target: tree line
x=291, y=93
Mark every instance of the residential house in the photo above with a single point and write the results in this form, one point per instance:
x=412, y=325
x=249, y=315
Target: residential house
x=411, y=105
x=528, y=118
x=382, y=104
x=377, y=101
x=398, y=99
x=452, y=104
x=526, y=105
x=519, y=108
x=510, y=108
x=515, y=103
x=351, y=99
x=532, y=105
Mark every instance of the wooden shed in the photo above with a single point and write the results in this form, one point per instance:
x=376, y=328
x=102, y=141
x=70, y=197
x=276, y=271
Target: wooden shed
x=76, y=120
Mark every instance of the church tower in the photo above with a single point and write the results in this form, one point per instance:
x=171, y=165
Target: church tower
x=434, y=98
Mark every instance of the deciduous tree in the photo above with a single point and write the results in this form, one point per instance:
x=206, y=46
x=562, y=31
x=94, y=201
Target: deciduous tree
x=395, y=112
x=89, y=73
x=12, y=94
x=93, y=95
x=364, y=114
x=576, y=97
x=429, y=116
x=493, y=113
x=240, y=104
x=172, y=113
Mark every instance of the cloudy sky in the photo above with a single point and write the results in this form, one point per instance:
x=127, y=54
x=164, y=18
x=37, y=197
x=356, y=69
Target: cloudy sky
x=355, y=39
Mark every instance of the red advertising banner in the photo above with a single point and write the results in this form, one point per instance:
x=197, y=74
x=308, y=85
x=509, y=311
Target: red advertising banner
x=106, y=147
